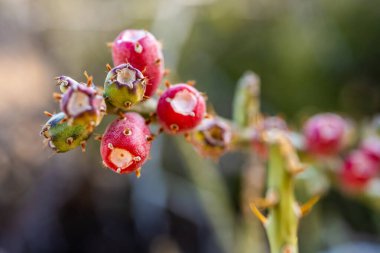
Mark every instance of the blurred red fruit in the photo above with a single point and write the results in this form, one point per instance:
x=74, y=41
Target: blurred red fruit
x=324, y=134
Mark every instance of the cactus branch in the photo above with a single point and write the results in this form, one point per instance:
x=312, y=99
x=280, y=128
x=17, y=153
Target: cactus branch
x=283, y=218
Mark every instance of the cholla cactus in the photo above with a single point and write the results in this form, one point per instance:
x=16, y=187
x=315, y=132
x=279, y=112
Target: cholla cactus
x=181, y=109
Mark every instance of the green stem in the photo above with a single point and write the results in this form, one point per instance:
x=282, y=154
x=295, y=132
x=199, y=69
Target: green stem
x=282, y=222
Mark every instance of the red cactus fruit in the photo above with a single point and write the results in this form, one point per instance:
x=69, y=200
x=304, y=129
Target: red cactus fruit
x=141, y=49
x=358, y=168
x=180, y=108
x=126, y=143
x=324, y=134
x=371, y=146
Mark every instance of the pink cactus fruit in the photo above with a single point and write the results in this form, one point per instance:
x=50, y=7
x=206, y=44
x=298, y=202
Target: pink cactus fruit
x=126, y=143
x=141, y=49
x=180, y=108
x=324, y=134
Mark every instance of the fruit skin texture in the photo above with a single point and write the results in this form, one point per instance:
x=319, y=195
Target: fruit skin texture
x=83, y=105
x=126, y=142
x=124, y=86
x=358, y=168
x=60, y=136
x=324, y=134
x=141, y=49
x=180, y=109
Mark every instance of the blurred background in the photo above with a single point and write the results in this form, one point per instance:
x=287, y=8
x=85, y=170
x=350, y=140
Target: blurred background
x=311, y=56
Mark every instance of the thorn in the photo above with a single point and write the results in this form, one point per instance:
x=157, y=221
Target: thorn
x=121, y=114
x=157, y=61
x=258, y=214
x=57, y=96
x=174, y=128
x=108, y=67
x=138, y=173
x=167, y=84
x=127, y=132
x=146, y=97
x=109, y=44
x=64, y=120
x=306, y=208
x=204, y=95
x=48, y=114
x=118, y=170
x=207, y=116
x=143, y=71
x=150, y=138
x=160, y=130
x=110, y=146
x=166, y=72
x=151, y=117
x=98, y=137
x=128, y=104
x=83, y=146
x=265, y=202
x=187, y=137
x=70, y=140
x=89, y=79
x=191, y=82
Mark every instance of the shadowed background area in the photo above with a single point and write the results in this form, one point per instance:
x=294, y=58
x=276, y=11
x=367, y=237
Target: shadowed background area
x=311, y=56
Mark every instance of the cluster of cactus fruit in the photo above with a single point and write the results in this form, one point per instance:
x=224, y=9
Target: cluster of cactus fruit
x=138, y=71
x=181, y=110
